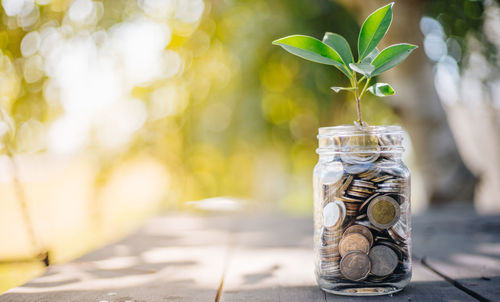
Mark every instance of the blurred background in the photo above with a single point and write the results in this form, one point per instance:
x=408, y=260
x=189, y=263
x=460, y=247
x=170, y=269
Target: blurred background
x=112, y=111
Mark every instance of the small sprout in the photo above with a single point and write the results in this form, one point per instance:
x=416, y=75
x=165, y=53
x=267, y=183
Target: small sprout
x=334, y=50
x=338, y=89
x=381, y=89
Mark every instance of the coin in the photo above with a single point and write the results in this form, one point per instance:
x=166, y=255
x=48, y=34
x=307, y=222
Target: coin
x=350, y=199
x=397, y=232
x=368, y=175
x=360, y=189
x=330, y=265
x=359, y=168
x=346, y=183
x=364, y=184
x=355, y=266
x=362, y=148
x=400, y=249
x=353, y=242
x=336, y=143
x=328, y=191
x=365, y=204
x=397, y=180
x=341, y=205
x=331, y=215
x=357, y=194
x=328, y=238
x=382, y=178
x=330, y=268
x=392, y=184
x=389, y=190
x=363, y=140
x=383, y=260
x=329, y=251
x=360, y=230
x=360, y=217
x=383, y=212
x=385, y=140
x=373, y=228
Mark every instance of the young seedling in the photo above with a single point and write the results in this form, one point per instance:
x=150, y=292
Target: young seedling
x=335, y=50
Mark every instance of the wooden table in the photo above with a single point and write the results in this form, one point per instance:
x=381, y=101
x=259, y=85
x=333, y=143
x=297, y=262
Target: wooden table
x=265, y=257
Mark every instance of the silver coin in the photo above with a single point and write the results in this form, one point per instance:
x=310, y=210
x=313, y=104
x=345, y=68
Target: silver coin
x=383, y=260
x=331, y=215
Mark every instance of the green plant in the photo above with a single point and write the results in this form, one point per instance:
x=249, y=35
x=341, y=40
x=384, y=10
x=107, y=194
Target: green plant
x=335, y=50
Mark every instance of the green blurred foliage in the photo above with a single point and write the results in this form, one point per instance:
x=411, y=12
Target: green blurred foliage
x=241, y=117
x=276, y=101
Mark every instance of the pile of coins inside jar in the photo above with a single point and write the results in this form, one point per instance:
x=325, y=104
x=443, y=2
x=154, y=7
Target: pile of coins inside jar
x=364, y=233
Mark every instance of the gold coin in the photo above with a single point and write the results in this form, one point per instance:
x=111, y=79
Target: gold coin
x=353, y=242
x=355, y=266
x=383, y=212
x=360, y=230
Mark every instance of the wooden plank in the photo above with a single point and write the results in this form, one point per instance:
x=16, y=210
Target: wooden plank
x=271, y=260
x=260, y=269
x=424, y=286
x=462, y=246
x=266, y=258
x=172, y=258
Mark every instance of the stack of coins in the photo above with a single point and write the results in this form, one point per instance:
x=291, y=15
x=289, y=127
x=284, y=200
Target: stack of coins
x=334, y=213
x=365, y=234
x=359, y=259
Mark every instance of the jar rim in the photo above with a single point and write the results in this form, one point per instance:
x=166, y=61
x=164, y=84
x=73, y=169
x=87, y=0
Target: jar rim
x=360, y=140
x=350, y=130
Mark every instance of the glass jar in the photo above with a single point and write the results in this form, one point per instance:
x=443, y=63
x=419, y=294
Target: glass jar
x=362, y=240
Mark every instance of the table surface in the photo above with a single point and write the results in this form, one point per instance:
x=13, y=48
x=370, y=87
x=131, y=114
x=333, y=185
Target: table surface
x=265, y=257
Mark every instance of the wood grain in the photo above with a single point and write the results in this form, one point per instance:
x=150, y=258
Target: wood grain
x=266, y=257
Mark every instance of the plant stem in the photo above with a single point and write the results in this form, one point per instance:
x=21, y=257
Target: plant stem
x=357, y=98
x=364, y=88
x=358, y=107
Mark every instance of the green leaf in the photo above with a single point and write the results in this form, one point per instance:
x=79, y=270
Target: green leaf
x=363, y=68
x=312, y=49
x=338, y=89
x=391, y=56
x=372, y=55
x=373, y=30
x=340, y=45
x=381, y=89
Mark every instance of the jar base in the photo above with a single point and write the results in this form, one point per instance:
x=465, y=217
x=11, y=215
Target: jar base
x=365, y=291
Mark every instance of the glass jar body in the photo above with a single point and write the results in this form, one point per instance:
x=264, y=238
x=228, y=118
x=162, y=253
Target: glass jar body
x=362, y=240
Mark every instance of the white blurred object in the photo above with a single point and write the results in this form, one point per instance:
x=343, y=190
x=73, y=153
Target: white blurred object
x=92, y=74
x=476, y=132
x=470, y=96
x=218, y=204
x=80, y=9
x=16, y=7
